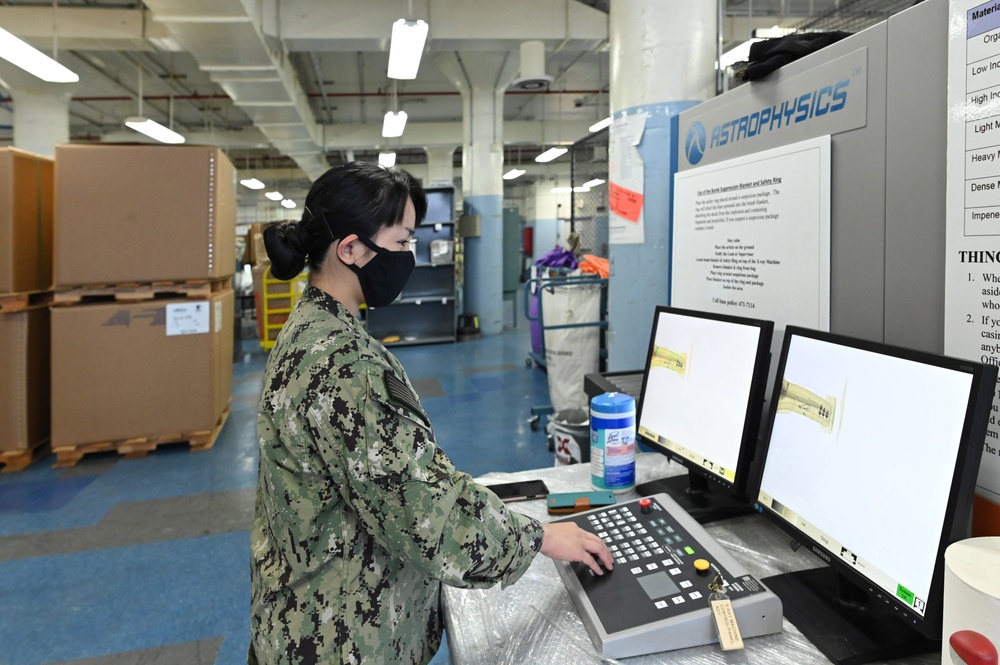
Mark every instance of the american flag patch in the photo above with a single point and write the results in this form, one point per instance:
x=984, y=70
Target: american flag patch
x=400, y=393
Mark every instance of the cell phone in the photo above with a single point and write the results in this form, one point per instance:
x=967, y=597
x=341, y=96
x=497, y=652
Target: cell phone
x=520, y=491
x=567, y=503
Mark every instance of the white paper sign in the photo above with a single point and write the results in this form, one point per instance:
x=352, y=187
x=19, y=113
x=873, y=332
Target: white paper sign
x=626, y=173
x=972, y=236
x=188, y=318
x=752, y=236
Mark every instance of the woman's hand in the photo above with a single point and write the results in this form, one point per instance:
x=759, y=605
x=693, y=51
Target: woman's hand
x=565, y=541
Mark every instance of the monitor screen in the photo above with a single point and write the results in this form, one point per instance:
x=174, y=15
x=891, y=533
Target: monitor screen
x=440, y=205
x=871, y=460
x=701, y=402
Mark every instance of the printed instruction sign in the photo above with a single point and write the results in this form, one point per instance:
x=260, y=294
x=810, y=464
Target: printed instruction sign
x=188, y=318
x=626, y=173
x=972, y=235
x=752, y=236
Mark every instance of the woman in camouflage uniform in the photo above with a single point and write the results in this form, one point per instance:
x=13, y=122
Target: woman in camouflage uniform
x=360, y=517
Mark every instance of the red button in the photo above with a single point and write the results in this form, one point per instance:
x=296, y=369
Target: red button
x=645, y=504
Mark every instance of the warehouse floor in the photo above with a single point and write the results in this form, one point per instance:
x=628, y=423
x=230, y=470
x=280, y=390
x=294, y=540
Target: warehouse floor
x=117, y=562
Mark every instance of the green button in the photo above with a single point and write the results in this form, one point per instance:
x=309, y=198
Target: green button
x=905, y=594
x=689, y=550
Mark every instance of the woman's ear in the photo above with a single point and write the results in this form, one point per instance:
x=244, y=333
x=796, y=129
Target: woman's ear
x=347, y=249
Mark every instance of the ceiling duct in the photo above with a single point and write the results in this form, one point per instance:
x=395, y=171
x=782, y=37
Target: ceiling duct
x=533, y=76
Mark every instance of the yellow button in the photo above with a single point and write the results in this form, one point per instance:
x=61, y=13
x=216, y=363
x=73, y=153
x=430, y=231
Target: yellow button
x=702, y=566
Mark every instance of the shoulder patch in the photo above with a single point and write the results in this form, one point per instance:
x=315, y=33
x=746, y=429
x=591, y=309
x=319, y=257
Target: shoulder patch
x=400, y=393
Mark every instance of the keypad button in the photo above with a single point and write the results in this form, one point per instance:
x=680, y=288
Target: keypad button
x=637, y=570
x=661, y=604
x=672, y=571
x=677, y=600
x=694, y=595
x=651, y=566
x=686, y=584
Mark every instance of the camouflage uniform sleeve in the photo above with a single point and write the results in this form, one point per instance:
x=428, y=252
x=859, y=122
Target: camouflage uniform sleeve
x=408, y=494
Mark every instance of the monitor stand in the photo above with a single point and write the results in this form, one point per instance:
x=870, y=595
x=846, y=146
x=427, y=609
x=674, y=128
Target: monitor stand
x=837, y=617
x=702, y=500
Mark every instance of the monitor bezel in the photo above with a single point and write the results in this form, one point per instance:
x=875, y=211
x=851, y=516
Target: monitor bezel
x=739, y=487
x=960, y=499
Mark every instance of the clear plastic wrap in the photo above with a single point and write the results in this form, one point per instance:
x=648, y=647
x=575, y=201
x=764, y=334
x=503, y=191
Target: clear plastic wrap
x=534, y=620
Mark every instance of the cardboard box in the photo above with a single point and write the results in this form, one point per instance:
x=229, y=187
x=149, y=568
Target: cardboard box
x=256, y=252
x=24, y=379
x=143, y=213
x=145, y=369
x=25, y=221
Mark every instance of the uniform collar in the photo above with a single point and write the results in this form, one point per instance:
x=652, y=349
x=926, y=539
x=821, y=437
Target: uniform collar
x=325, y=301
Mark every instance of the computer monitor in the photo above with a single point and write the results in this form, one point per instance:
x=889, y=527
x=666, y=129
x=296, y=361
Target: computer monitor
x=700, y=404
x=871, y=461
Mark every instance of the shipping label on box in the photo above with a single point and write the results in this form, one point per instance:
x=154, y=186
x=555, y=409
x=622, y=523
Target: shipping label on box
x=188, y=318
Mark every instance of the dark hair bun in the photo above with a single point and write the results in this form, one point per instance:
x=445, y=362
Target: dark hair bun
x=286, y=245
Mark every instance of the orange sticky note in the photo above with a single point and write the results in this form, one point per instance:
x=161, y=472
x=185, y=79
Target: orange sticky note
x=624, y=202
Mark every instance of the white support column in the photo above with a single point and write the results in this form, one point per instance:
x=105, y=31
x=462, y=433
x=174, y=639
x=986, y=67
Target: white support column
x=41, y=110
x=440, y=164
x=482, y=78
x=662, y=62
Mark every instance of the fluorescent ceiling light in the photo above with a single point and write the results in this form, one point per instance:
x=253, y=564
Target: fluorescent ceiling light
x=600, y=124
x=154, y=130
x=514, y=173
x=393, y=124
x=551, y=154
x=737, y=54
x=288, y=203
x=593, y=183
x=252, y=183
x=386, y=159
x=773, y=32
x=33, y=61
x=274, y=196
x=567, y=190
x=407, y=46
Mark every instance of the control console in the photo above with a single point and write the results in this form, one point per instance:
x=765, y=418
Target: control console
x=656, y=597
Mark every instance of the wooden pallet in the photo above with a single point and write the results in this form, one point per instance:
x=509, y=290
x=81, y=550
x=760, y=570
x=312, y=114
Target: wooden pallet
x=68, y=456
x=19, y=460
x=17, y=302
x=139, y=291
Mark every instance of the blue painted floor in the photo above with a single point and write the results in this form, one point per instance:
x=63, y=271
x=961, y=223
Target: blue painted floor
x=125, y=561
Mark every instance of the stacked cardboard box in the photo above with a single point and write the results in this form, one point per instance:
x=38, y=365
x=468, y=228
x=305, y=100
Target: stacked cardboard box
x=25, y=279
x=158, y=367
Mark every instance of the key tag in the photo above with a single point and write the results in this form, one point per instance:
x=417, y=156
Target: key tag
x=724, y=617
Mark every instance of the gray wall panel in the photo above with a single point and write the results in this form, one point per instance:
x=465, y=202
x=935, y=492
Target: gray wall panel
x=916, y=143
x=887, y=174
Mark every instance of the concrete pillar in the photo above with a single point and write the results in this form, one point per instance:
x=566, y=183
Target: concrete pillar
x=662, y=61
x=482, y=78
x=440, y=165
x=41, y=110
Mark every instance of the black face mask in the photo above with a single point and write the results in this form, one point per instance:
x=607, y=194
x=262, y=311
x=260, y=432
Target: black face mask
x=384, y=276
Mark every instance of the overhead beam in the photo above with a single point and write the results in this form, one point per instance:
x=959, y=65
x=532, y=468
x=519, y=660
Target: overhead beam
x=85, y=28
x=347, y=25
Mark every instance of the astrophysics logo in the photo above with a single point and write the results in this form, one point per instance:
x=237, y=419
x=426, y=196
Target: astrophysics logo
x=695, y=143
x=814, y=104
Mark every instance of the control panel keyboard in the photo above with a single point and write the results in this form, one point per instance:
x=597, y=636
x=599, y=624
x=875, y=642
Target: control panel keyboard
x=656, y=597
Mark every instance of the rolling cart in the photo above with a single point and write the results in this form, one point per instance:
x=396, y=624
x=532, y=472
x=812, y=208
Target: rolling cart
x=561, y=300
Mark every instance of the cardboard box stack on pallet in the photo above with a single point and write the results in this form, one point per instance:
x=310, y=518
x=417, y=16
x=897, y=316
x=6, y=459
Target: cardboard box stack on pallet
x=142, y=336
x=25, y=283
